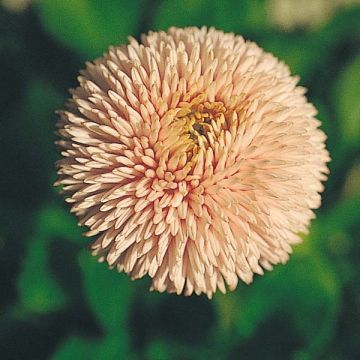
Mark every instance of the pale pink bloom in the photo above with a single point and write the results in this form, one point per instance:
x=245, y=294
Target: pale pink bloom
x=194, y=157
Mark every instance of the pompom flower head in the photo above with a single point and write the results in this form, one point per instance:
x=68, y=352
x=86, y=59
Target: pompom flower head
x=193, y=156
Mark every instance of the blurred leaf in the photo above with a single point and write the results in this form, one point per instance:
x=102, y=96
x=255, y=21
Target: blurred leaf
x=76, y=348
x=352, y=183
x=28, y=137
x=306, y=289
x=227, y=15
x=79, y=348
x=159, y=350
x=182, y=13
x=38, y=288
x=113, y=347
x=57, y=221
x=295, y=50
x=109, y=295
x=241, y=17
x=90, y=26
x=346, y=97
x=340, y=218
x=344, y=26
x=41, y=101
x=332, y=232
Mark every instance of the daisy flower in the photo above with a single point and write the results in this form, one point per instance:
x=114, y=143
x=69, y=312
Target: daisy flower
x=193, y=156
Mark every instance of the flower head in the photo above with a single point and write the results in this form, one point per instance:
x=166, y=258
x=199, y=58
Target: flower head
x=194, y=158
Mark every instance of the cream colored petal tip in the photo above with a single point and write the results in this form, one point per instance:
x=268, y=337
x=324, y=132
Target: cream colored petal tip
x=194, y=158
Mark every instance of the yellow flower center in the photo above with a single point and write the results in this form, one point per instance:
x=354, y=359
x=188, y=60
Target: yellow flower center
x=200, y=123
x=188, y=132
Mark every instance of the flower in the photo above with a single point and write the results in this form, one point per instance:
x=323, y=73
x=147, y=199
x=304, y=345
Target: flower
x=193, y=156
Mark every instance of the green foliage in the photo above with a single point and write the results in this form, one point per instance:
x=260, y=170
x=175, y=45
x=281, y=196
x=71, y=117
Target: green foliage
x=80, y=348
x=305, y=290
x=41, y=100
x=108, y=294
x=348, y=105
x=90, y=26
x=228, y=15
x=59, y=302
x=38, y=289
x=296, y=51
x=77, y=348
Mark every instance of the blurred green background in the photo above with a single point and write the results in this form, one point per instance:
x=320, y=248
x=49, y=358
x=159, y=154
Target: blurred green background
x=57, y=302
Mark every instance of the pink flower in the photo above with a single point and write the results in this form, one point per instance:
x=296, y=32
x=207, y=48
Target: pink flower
x=194, y=158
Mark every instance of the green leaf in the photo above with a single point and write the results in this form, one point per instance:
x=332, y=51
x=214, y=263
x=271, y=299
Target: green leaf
x=241, y=17
x=344, y=26
x=332, y=232
x=109, y=295
x=77, y=348
x=227, y=15
x=306, y=290
x=182, y=13
x=113, y=347
x=90, y=26
x=57, y=221
x=296, y=51
x=346, y=96
x=38, y=289
x=159, y=349
x=33, y=124
x=41, y=101
x=340, y=218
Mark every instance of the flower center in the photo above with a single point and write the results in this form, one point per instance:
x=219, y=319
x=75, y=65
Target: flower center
x=187, y=133
x=201, y=122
